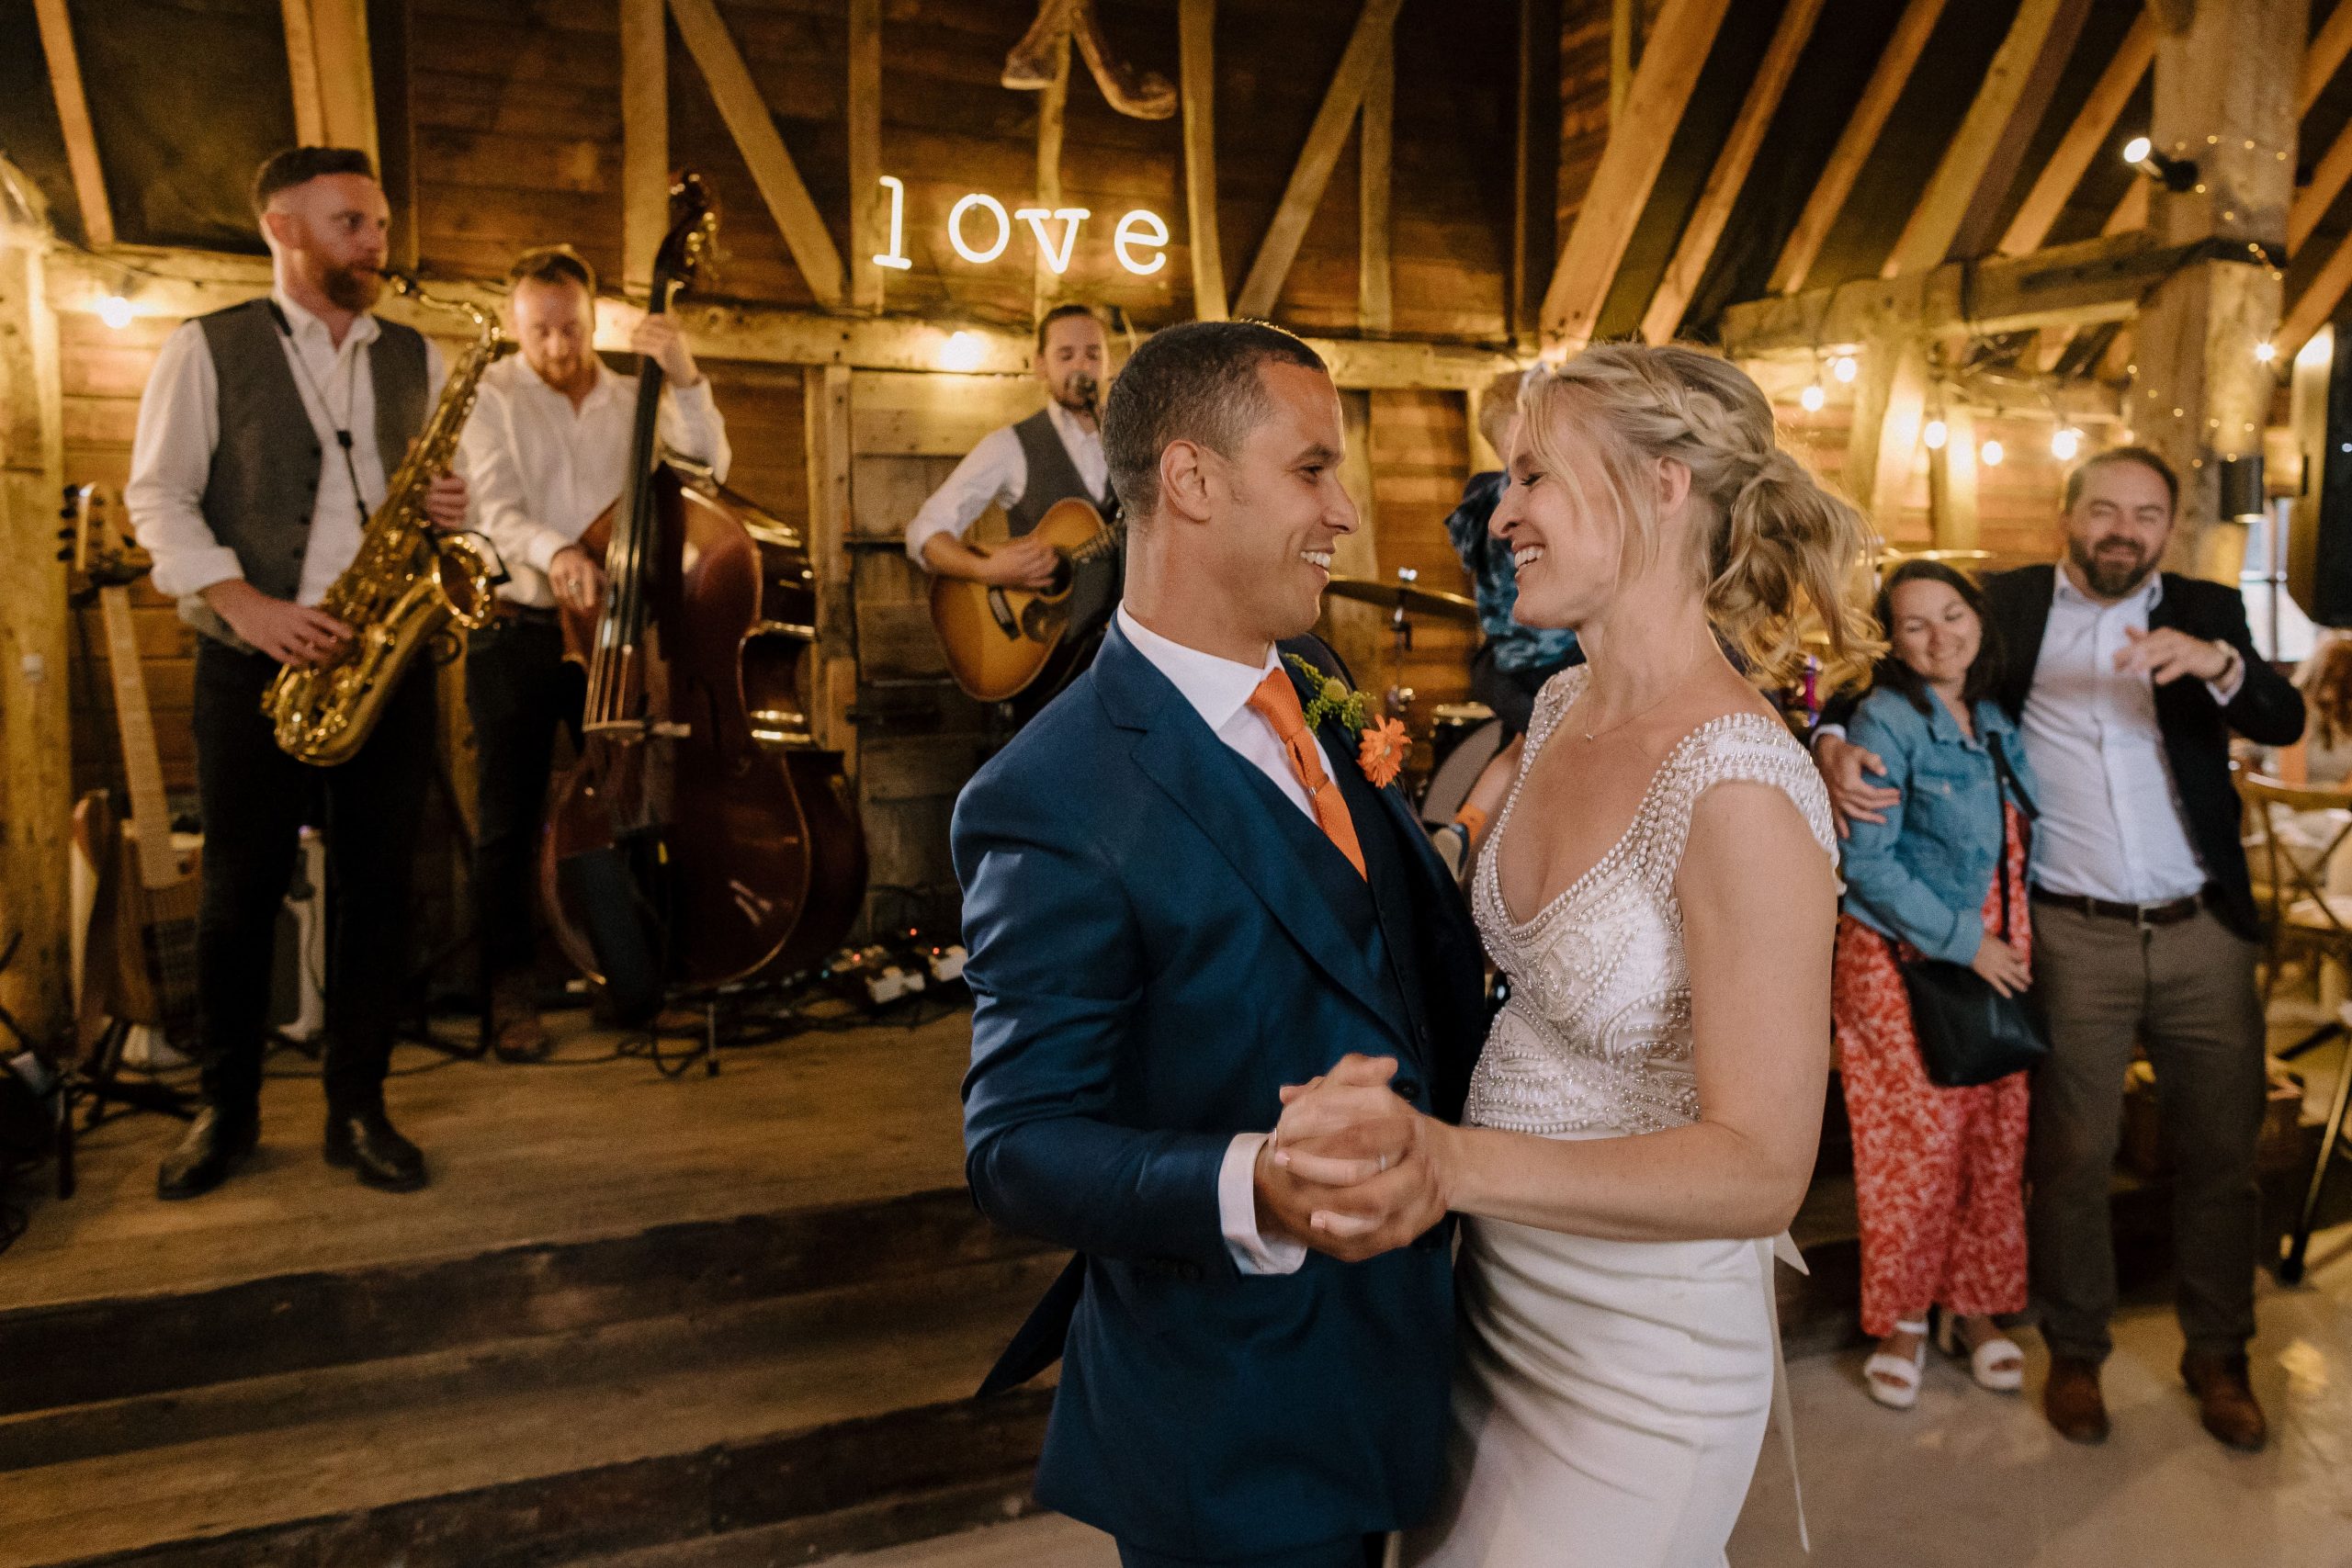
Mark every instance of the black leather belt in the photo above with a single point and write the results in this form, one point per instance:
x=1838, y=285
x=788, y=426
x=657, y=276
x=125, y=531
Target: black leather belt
x=2170, y=914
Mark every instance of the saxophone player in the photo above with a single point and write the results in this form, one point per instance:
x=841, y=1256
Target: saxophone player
x=264, y=441
x=547, y=449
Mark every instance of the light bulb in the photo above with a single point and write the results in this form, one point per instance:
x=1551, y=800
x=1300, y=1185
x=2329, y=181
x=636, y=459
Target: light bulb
x=962, y=351
x=1812, y=397
x=1990, y=454
x=2137, y=149
x=115, y=312
x=1844, y=367
x=1935, y=434
x=2265, y=351
x=2065, y=442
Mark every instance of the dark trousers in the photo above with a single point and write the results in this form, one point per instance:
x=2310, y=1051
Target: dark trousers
x=1357, y=1552
x=519, y=689
x=255, y=801
x=2187, y=991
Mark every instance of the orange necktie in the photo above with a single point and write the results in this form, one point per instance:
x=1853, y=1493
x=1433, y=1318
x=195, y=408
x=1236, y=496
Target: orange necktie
x=1276, y=702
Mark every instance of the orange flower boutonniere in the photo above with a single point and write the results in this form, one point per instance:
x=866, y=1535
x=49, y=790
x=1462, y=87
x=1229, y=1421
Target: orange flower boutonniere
x=1381, y=749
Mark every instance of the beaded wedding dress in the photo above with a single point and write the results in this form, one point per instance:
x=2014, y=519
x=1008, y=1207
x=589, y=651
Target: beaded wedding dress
x=1611, y=1396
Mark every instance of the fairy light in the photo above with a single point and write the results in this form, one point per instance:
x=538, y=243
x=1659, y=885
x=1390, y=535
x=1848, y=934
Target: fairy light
x=2065, y=442
x=115, y=312
x=1991, y=454
x=962, y=351
x=1844, y=367
x=1812, y=397
x=1935, y=434
x=2264, y=352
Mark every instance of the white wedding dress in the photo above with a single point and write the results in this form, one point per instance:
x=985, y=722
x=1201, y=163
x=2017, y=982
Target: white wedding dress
x=1610, y=1397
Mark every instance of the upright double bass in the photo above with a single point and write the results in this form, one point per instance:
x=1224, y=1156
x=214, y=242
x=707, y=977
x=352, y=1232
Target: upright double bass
x=684, y=852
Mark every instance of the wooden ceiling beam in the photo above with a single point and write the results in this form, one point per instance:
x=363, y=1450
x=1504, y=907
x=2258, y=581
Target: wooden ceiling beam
x=1375, y=300
x=868, y=210
x=2324, y=57
x=752, y=125
x=2174, y=16
x=2312, y=202
x=73, y=121
x=2093, y=124
x=1312, y=173
x=1672, y=56
x=333, y=79
x=645, y=138
x=1196, y=49
x=1888, y=78
x=1729, y=176
x=1957, y=209
x=180, y=283
x=2316, y=307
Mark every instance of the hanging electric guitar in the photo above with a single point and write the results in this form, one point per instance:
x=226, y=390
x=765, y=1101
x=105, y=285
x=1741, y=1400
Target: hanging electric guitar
x=1000, y=641
x=141, y=952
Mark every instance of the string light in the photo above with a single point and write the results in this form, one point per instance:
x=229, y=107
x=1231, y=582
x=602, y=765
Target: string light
x=1812, y=397
x=2065, y=442
x=2265, y=351
x=1991, y=454
x=1844, y=367
x=1935, y=433
x=115, y=312
x=962, y=351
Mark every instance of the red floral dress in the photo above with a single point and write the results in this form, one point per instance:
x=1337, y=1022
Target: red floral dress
x=1939, y=1173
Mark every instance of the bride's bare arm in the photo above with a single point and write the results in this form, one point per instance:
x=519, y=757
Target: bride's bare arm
x=1758, y=905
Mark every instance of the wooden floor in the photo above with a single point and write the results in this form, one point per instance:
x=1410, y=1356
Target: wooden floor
x=587, y=1146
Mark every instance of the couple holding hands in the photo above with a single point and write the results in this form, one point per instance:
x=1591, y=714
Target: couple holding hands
x=1351, y=1262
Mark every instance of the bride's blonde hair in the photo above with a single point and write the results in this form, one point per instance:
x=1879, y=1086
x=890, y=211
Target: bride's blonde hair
x=1781, y=554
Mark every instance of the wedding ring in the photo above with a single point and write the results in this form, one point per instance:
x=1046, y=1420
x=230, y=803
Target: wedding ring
x=1384, y=1164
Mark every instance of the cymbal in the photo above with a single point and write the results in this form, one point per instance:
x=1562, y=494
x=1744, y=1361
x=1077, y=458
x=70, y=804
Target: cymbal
x=1412, y=600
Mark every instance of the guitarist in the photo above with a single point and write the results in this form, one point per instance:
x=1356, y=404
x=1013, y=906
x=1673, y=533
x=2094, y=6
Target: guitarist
x=264, y=440
x=547, y=448
x=1054, y=455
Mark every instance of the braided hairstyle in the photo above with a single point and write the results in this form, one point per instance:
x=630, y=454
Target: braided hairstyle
x=1782, y=555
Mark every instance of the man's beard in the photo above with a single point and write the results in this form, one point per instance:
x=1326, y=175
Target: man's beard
x=1078, y=394
x=353, y=289
x=2110, y=579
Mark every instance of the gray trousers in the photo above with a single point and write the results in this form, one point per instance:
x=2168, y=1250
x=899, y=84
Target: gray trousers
x=2187, y=991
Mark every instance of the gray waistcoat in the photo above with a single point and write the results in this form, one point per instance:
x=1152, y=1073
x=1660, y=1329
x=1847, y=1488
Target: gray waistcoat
x=265, y=479
x=1052, y=475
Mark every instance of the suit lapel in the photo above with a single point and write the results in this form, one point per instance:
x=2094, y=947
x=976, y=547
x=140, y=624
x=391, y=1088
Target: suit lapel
x=1227, y=800
x=2023, y=617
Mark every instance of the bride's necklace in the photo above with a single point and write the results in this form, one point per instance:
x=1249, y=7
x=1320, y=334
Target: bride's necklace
x=1646, y=709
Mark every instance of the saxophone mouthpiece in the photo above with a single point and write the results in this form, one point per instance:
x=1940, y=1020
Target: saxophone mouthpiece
x=399, y=282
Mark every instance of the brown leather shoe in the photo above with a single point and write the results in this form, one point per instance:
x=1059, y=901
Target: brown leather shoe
x=515, y=1032
x=2225, y=1399
x=2072, y=1400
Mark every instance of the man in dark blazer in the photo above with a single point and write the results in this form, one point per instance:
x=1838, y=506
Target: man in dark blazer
x=1180, y=896
x=2127, y=684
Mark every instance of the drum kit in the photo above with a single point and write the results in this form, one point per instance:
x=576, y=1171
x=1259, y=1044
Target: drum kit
x=1463, y=737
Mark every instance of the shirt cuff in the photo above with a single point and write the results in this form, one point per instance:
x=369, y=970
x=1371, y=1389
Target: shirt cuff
x=1236, y=1203
x=2226, y=694
x=545, y=545
x=190, y=572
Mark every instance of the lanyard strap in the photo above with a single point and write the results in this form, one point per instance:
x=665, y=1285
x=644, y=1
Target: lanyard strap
x=350, y=396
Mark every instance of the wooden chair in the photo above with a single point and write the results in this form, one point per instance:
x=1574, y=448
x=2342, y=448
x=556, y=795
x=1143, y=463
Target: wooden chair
x=2301, y=915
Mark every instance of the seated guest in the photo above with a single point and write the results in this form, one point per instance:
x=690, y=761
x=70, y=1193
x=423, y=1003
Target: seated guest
x=2325, y=681
x=1939, y=1173
x=2126, y=683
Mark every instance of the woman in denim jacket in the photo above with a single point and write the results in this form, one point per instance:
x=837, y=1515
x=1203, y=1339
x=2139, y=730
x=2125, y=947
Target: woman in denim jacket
x=1938, y=1172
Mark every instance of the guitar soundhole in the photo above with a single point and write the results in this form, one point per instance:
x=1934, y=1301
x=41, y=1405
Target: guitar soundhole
x=1041, y=620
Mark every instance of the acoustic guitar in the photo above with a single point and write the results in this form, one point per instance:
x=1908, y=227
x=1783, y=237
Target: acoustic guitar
x=140, y=964
x=1001, y=641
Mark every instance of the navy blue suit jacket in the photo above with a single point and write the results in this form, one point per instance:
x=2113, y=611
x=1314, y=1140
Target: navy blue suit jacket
x=1160, y=941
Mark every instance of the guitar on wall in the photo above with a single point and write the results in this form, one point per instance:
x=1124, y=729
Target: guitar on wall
x=140, y=954
x=1001, y=641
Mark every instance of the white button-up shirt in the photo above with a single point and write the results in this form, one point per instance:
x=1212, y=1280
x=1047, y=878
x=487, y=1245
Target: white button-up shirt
x=179, y=426
x=2111, y=824
x=1219, y=691
x=542, y=470
x=996, y=473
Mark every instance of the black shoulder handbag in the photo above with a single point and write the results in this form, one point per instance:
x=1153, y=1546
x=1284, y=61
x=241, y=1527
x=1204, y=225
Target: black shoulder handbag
x=1968, y=1033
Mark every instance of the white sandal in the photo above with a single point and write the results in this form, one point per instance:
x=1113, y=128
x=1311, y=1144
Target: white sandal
x=1893, y=1381
x=1997, y=1365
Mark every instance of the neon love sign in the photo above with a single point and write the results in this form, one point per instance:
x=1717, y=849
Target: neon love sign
x=979, y=230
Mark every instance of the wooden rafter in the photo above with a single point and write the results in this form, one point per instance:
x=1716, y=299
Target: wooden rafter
x=334, y=82
x=868, y=215
x=1854, y=144
x=2312, y=202
x=2328, y=49
x=1053, y=110
x=1196, y=49
x=752, y=126
x=303, y=67
x=1889, y=404
x=74, y=119
x=1700, y=235
x=1316, y=159
x=2093, y=123
x=1973, y=175
x=1374, y=300
x=2316, y=307
x=1672, y=56
x=645, y=136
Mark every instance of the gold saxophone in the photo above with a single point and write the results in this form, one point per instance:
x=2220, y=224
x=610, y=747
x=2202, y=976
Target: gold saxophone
x=398, y=594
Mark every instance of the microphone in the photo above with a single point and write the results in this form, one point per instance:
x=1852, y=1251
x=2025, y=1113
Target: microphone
x=1085, y=387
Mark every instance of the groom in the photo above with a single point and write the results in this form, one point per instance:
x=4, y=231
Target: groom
x=1178, y=899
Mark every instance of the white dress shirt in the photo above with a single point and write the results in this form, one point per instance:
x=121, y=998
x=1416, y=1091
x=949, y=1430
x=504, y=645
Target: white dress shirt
x=179, y=425
x=996, y=473
x=2111, y=824
x=1219, y=691
x=542, y=470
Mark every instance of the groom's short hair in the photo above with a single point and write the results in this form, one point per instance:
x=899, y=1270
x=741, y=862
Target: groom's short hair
x=1194, y=382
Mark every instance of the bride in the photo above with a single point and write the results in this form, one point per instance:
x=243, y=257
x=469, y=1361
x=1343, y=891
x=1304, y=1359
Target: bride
x=1661, y=891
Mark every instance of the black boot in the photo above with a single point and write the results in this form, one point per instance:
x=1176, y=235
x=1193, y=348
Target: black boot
x=216, y=1144
x=362, y=1139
